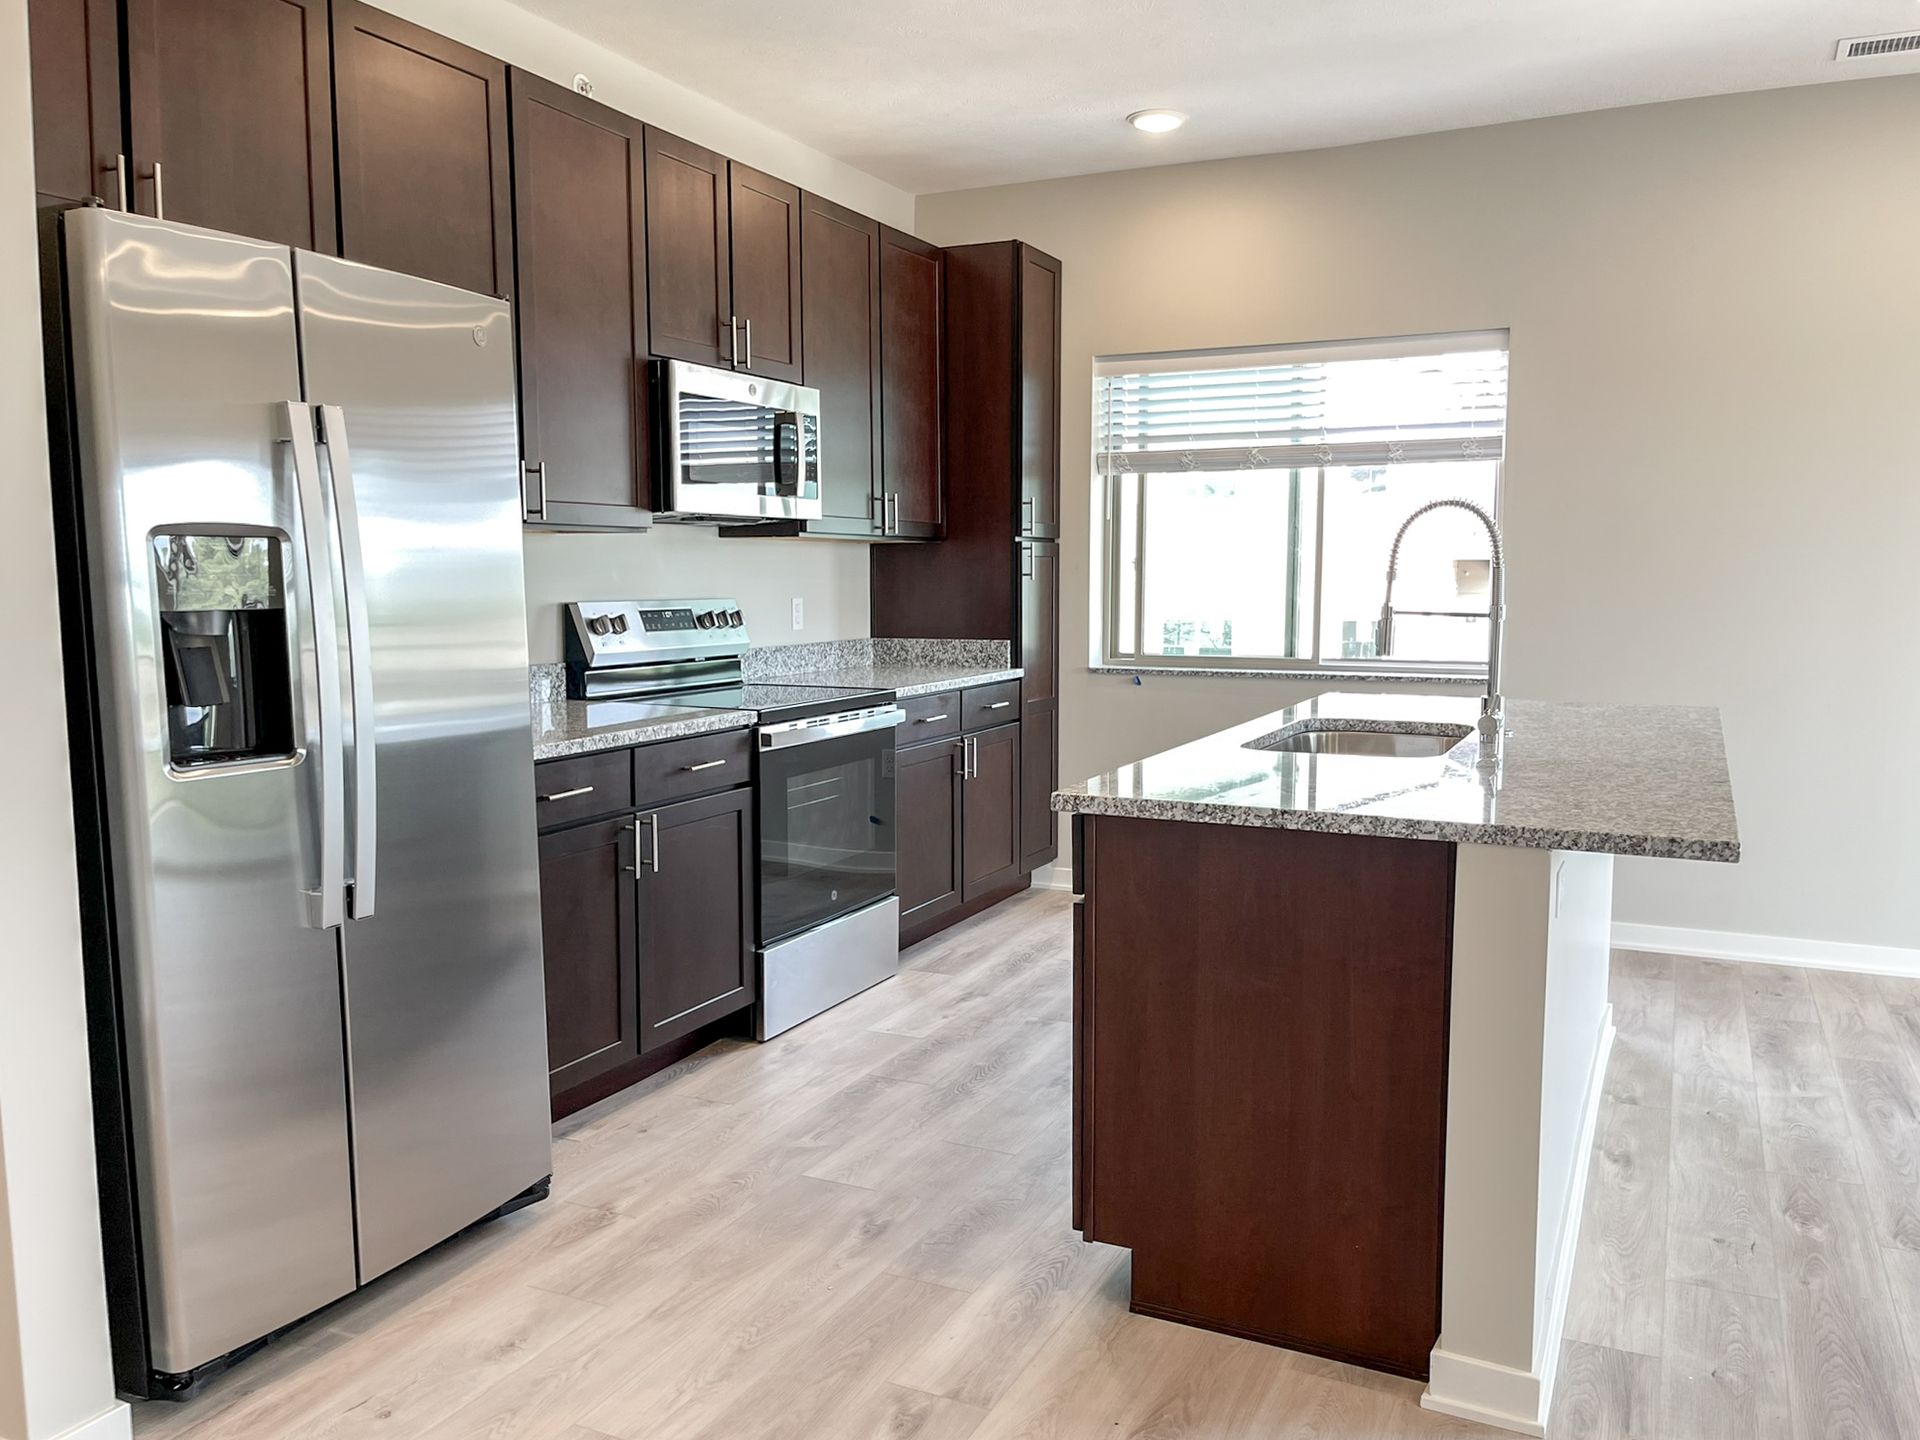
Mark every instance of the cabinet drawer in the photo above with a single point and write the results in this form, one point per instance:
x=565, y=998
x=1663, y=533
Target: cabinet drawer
x=582, y=786
x=986, y=705
x=930, y=717
x=676, y=769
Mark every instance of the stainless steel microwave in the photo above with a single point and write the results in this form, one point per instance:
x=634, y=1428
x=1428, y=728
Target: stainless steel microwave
x=735, y=446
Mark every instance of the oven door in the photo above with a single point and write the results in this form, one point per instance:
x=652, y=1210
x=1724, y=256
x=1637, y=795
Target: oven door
x=737, y=446
x=825, y=793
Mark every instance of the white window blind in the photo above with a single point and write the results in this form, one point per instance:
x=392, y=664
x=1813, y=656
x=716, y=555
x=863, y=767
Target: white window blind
x=1288, y=409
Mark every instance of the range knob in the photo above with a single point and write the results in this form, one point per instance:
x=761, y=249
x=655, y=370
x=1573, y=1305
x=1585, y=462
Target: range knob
x=707, y=619
x=619, y=624
x=598, y=624
x=735, y=619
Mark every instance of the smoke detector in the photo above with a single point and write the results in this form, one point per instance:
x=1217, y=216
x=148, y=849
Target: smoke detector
x=583, y=86
x=1873, y=47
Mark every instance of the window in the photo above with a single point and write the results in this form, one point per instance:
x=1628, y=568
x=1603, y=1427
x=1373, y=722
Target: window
x=1252, y=499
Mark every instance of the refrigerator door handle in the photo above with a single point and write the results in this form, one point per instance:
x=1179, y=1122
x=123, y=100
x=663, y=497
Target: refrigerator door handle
x=346, y=509
x=325, y=906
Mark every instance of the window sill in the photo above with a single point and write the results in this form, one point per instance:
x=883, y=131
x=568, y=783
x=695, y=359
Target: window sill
x=1371, y=677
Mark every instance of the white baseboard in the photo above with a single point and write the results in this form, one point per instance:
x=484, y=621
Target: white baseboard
x=1482, y=1391
x=1057, y=876
x=1769, y=949
x=1499, y=1395
x=113, y=1423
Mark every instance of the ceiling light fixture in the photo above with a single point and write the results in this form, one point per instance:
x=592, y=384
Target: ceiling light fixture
x=1156, y=122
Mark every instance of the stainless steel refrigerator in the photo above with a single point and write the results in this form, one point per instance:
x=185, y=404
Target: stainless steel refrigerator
x=298, y=483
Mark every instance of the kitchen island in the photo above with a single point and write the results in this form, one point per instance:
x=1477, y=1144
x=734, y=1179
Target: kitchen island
x=1341, y=1020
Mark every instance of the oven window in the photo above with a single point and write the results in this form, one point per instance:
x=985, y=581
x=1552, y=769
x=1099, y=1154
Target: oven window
x=826, y=831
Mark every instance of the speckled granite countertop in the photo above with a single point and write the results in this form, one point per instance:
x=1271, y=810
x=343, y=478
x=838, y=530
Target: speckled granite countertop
x=580, y=727
x=906, y=681
x=1615, y=779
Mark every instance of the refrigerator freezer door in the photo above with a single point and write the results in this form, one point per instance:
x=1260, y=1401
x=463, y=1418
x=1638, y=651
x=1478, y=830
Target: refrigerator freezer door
x=446, y=1027
x=212, y=714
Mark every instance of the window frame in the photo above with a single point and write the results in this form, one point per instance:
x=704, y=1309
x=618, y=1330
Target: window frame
x=1315, y=662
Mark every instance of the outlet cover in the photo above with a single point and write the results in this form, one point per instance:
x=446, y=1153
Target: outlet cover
x=799, y=613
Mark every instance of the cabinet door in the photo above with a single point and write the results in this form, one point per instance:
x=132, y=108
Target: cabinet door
x=424, y=171
x=696, y=914
x=840, y=326
x=587, y=928
x=929, y=800
x=580, y=261
x=74, y=52
x=688, y=280
x=765, y=217
x=990, y=843
x=1040, y=701
x=1039, y=361
x=912, y=311
x=232, y=117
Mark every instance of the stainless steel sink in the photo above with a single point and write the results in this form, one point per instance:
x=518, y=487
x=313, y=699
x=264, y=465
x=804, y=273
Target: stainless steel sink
x=1332, y=740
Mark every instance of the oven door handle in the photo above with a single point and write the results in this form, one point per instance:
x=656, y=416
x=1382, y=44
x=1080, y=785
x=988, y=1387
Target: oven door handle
x=830, y=727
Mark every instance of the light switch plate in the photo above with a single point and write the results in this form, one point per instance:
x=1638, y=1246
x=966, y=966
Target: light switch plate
x=799, y=613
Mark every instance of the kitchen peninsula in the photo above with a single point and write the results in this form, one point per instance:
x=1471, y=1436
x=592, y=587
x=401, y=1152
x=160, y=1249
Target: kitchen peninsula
x=1335, y=1085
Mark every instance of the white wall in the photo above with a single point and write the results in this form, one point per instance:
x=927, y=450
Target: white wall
x=1711, y=495
x=54, y=1371
x=680, y=560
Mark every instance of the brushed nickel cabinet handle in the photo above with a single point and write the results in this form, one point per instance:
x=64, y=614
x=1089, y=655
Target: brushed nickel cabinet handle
x=748, y=322
x=577, y=790
x=1000, y=705
x=932, y=719
x=120, y=179
x=704, y=765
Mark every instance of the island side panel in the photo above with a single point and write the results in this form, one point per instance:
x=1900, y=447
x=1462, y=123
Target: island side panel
x=1264, y=1079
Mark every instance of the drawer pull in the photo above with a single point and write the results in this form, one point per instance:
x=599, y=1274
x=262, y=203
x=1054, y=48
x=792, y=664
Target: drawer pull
x=932, y=719
x=1000, y=705
x=577, y=791
x=704, y=765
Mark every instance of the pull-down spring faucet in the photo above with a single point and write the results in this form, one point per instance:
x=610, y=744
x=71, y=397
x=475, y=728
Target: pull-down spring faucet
x=1493, y=706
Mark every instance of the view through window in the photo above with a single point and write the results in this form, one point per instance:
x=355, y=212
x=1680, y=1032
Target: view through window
x=1252, y=500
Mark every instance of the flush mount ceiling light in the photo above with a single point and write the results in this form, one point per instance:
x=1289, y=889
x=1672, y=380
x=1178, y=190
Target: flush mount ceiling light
x=1156, y=122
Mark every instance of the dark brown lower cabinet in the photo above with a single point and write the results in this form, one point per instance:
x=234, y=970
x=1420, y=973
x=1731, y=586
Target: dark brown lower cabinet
x=694, y=893
x=1039, y=778
x=587, y=924
x=929, y=792
x=1260, y=1079
x=990, y=833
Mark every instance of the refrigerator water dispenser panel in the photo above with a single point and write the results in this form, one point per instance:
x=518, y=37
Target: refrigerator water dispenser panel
x=223, y=622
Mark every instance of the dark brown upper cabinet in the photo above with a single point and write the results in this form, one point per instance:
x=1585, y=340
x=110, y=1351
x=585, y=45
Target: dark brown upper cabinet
x=689, y=279
x=765, y=218
x=580, y=224
x=230, y=116
x=425, y=182
x=912, y=313
x=723, y=261
x=1039, y=309
x=840, y=308
x=74, y=53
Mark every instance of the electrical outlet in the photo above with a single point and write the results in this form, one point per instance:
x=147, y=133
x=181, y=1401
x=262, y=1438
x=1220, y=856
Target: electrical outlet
x=799, y=613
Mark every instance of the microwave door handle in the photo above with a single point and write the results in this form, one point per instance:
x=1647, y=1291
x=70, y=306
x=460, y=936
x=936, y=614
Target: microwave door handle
x=346, y=509
x=325, y=905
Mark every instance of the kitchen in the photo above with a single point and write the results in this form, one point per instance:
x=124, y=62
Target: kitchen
x=774, y=908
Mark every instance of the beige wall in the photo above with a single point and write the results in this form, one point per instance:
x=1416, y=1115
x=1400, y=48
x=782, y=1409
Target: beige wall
x=1712, y=494
x=683, y=560
x=54, y=1376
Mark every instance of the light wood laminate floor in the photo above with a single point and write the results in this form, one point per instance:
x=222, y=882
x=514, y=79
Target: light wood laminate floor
x=860, y=1232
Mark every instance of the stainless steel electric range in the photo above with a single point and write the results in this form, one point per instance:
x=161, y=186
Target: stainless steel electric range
x=828, y=919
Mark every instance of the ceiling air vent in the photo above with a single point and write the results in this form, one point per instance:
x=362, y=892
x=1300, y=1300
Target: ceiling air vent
x=1872, y=47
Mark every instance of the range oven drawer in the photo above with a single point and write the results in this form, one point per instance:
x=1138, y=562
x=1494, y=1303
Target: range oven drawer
x=679, y=769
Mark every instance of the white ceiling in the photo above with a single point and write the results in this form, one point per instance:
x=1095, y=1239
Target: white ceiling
x=935, y=95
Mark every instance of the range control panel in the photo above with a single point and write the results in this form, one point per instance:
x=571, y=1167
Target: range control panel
x=623, y=632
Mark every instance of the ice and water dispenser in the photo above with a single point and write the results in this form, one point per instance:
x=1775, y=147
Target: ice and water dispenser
x=223, y=623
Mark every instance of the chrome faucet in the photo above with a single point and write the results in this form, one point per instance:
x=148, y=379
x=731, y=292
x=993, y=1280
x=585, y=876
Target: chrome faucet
x=1493, y=707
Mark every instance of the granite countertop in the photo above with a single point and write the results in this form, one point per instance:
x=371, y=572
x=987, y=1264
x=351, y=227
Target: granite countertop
x=1614, y=779
x=905, y=680
x=580, y=727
